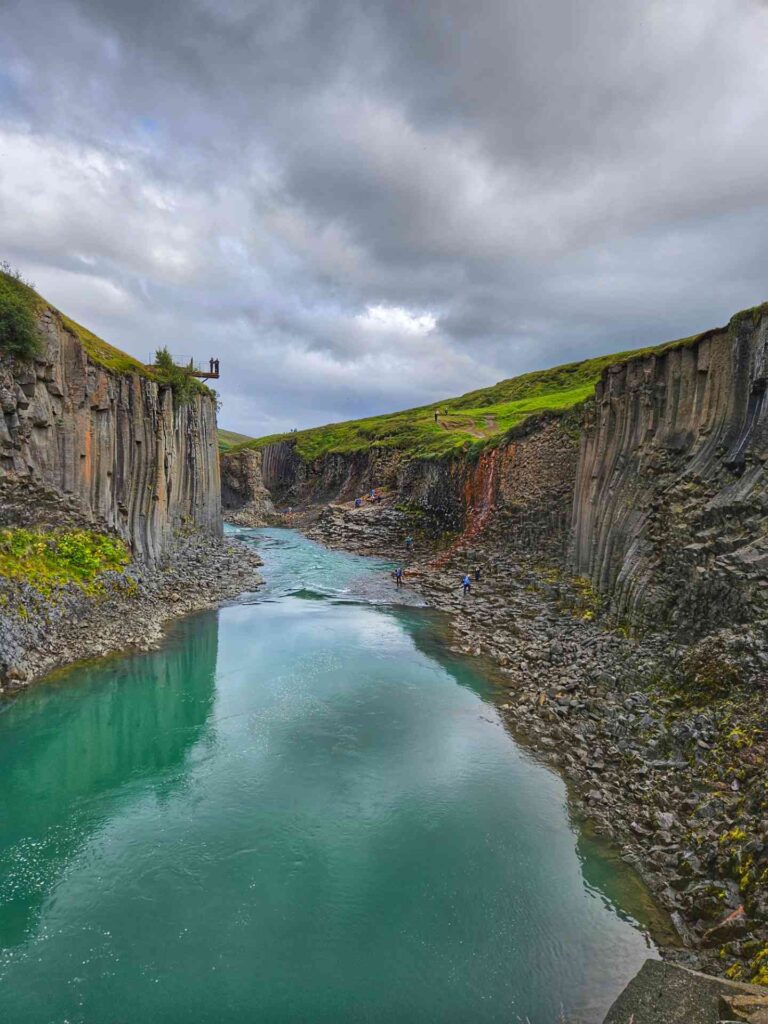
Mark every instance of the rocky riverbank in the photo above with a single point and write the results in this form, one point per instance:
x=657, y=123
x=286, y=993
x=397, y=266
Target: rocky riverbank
x=664, y=744
x=129, y=610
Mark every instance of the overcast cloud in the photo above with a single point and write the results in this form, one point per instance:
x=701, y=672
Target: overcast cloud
x=360, y=206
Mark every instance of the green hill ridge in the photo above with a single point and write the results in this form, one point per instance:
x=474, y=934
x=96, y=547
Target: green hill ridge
x=471, y=422
x=229, y=439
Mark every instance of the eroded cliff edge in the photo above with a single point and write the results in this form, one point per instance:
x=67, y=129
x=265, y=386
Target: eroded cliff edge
x=113, y=442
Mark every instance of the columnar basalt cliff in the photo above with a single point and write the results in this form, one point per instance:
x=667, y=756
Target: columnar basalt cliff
x=522, y=488
x=112, y=440
x=243, y=491
x=671, y=498
x=110, y=497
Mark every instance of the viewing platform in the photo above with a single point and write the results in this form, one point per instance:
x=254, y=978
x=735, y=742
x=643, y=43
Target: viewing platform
x=194, y=367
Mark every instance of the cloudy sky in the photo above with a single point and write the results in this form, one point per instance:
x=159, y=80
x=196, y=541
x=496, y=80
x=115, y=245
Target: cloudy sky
x=362, y=205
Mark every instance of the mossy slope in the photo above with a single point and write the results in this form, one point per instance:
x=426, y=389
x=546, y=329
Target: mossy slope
x=229, y=439
x=49, y=560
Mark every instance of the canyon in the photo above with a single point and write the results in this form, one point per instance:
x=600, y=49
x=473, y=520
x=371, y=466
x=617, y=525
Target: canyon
x=615, y=534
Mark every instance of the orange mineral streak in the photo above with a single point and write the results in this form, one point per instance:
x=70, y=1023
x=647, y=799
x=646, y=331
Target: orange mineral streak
x=479, y=501
x=88, y=460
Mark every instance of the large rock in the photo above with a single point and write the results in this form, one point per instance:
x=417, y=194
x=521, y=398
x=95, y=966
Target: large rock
x=663, y=993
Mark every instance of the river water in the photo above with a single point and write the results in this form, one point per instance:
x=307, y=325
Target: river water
x=300, y=809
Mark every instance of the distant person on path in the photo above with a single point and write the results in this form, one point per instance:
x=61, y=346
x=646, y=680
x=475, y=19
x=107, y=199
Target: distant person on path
x=216, y=366
x=398, y=577
x=477, y=574
x=409, y=543
x=437, y=413
x=466, y=584
x=358, y=502
x=210, y=365
x=372, y=493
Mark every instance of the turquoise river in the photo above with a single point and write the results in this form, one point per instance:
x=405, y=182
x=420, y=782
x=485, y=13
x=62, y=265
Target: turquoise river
x=300, y=809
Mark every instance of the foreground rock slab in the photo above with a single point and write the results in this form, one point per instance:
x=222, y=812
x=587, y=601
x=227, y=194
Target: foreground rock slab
x=662, y=993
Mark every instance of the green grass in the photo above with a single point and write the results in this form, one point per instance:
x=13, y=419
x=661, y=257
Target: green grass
x=470, y=422
x=228, y=439
x=50, y=560
x=19, y=309
x=104, y=354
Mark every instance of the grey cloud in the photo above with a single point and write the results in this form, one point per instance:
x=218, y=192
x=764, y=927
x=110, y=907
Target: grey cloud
x=548, y=180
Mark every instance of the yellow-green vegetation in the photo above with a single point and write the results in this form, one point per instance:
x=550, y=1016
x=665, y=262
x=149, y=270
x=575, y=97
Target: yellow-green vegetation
x=575, y=593
x=739, y=738
x=19, y=307
x=759, y=965
x=473, y=421
x=50, y=560
x=733, y=835
x=228, y=439
x=588, y=601
x=104, y=354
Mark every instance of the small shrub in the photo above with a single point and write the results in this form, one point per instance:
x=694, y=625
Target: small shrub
x=704, y=674
x=19, y=332
x=181, y=382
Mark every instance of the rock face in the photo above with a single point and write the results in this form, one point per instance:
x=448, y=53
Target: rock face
x=523, y=488
x=671, y=494
x=111, y=441
x=664, y=994
x=243, y=493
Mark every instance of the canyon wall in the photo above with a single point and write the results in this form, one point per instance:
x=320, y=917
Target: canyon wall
x=522, y=490
x=113, y=442
x=671, y=499
x=243, y=492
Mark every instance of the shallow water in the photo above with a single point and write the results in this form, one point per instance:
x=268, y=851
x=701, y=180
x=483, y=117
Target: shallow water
x=299, y=810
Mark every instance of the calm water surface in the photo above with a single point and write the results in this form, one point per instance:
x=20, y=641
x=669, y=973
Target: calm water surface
x=299, y=810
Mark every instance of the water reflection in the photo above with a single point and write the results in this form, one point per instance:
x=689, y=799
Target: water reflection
x=74, y=748
x=344, y=832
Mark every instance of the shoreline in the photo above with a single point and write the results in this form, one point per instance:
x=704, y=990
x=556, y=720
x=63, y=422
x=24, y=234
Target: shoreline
x=42, y=636
x=658, y=777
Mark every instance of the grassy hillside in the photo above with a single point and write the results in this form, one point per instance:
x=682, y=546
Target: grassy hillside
x=229, y=439
x=470, y=421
